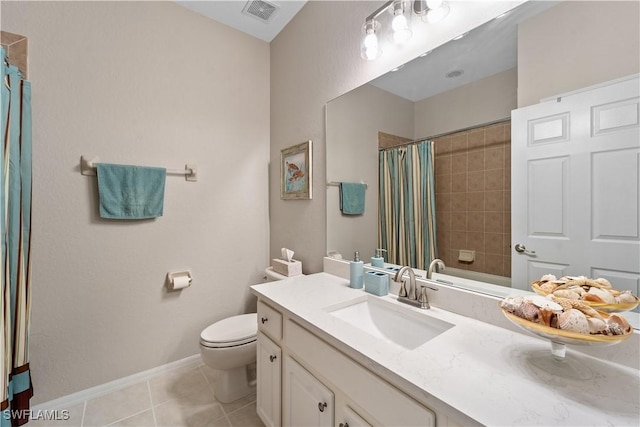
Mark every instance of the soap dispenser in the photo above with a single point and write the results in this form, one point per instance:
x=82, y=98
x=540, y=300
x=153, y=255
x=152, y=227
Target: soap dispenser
x=378, y=259
x=356, y=272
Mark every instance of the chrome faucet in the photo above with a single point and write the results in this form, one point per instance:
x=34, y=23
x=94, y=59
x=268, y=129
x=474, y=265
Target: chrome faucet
x=412, y=283
x=436, y=265
x=412, y=296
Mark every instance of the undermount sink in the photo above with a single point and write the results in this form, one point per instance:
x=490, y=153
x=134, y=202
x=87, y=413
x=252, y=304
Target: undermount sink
x=390, y=322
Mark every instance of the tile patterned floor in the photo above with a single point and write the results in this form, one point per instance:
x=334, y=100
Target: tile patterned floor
x=179, y=398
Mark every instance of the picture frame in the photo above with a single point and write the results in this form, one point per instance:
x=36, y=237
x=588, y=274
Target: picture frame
x=296, y=172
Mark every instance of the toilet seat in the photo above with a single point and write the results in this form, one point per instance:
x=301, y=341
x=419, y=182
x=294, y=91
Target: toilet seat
x=231, y=332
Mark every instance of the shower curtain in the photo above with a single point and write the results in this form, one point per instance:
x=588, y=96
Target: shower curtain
x=15, y=212
x=407, y=207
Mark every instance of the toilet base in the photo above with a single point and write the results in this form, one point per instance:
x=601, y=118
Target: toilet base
x=234, y=384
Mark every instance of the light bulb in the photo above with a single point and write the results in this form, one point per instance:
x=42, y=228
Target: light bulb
x=400, y=27
x=370, y=53
x=371, y=41
x=370, y=49
x=399, y=23
x=438, y=12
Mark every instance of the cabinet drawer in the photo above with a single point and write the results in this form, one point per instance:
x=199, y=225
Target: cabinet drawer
x=269, y=321
x=385, y=403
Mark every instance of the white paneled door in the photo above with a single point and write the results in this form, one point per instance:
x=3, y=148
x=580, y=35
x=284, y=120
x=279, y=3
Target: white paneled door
x=576, y=187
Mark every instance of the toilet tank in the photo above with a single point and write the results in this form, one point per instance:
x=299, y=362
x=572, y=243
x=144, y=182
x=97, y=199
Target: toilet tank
x=272, y=276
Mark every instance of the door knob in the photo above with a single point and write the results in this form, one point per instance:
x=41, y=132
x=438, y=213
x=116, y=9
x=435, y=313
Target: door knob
x=322, y=406
x=521, y=249
x=272, y=358
x=264, y=319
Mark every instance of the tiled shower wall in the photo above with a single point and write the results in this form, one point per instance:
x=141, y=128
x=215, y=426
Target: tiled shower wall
x=16, y=49
x=473, y=197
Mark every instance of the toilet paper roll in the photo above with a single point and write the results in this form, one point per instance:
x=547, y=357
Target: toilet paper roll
x=180, y=282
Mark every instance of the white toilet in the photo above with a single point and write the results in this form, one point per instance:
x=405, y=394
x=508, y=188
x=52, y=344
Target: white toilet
x=229, y=348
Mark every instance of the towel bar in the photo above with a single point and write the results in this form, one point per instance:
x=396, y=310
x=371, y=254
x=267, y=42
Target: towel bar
x=88, y=168
x=337, y=184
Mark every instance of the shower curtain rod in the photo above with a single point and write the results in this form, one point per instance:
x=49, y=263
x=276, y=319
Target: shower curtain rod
x=445, y=134
x=88, y=168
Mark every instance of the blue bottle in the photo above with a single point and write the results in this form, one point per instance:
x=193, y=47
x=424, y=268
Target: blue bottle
x=356, y=272
x=378, y=259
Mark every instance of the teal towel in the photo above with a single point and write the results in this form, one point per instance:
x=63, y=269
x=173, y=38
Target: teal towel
x=130, y=192
x=352, y=198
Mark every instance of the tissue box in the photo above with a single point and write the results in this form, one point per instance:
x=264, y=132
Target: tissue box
x=376, y=283
x=286, y=268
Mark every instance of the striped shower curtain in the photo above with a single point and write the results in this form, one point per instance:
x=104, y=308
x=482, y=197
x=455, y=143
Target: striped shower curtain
x=15, y=211
x=407, y=206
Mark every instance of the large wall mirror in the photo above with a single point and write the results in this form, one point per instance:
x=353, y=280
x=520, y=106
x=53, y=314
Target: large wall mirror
x=461, y=96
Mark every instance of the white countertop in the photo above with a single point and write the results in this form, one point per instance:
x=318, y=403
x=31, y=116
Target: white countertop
x=483, y=371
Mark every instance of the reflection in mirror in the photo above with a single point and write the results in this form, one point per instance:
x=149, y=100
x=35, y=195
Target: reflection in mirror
x=461, y=96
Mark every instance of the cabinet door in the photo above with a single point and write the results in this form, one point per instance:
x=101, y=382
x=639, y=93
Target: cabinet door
x=350, y=418
x=269, y=365
x=307, y=401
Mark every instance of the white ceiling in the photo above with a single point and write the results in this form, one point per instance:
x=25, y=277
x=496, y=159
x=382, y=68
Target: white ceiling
x=229, y=12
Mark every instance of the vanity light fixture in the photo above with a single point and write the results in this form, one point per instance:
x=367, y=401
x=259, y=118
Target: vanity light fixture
x=400, y=23
x=370, y=48
x=429, y=10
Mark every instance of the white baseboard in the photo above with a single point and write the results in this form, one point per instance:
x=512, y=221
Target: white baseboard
x=73, y=399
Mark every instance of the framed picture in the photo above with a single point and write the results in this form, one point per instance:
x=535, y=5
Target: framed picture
x=296, y=172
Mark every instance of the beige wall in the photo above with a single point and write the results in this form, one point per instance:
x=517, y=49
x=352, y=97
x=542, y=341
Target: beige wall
x=147, y=83
x=315, y=59
x=577, y=44
x=353, y=123
x=473, y=104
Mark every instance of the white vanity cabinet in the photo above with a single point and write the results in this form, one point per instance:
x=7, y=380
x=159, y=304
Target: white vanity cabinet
x=356, y=388
x=350, y=418
x=269, y=371
x=303, y=380
x=269, y=366
x=307, y=401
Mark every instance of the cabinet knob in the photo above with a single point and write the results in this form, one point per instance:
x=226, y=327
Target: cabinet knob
x=344, y=425
x=272, y=358
x=264, y=320
x=322, y=406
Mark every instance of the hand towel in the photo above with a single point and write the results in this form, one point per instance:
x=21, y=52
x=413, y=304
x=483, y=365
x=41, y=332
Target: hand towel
x=130, y=192
x=352, y=198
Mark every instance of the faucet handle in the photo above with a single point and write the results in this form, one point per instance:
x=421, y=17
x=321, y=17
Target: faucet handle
x=423, y=299
x=403, y=288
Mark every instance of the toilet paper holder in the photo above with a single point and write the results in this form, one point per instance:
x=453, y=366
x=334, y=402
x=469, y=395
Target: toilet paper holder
x=178, y=280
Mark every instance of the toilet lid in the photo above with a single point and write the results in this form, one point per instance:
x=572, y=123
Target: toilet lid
x=235, y=330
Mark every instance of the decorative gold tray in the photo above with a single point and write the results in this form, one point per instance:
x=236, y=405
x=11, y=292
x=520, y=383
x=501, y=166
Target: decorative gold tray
x=566, y=337
x=609, y=308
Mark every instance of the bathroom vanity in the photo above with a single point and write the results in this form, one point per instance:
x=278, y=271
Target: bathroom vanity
x=332, y=355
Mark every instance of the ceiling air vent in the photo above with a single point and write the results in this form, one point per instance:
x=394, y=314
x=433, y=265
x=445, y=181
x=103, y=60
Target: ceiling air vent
x=259, y=9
